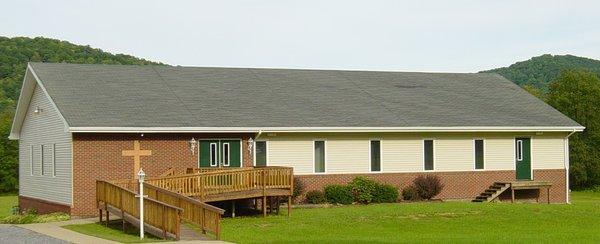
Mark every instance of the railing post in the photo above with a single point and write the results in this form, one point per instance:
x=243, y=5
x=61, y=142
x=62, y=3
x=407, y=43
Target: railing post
x=178, y=225
x=164, y=223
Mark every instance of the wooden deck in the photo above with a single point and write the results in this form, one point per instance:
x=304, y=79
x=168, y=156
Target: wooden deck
x=214, y=184
x=527, y=185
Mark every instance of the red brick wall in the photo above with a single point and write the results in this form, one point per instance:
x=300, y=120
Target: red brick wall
x=457, y=185
x=98, y=156
x=42, y=206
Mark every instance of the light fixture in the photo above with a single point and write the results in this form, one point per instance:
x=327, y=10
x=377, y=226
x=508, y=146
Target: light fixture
x=193, y=143
x=37, y=110
x=250, y=145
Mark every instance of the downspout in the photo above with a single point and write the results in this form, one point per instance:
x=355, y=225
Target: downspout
x=567, y=165
x=254, y=147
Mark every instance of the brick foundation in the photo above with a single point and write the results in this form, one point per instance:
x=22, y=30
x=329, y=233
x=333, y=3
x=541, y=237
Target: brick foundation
x=98, y=156
x=42, y=206
x=457, y=185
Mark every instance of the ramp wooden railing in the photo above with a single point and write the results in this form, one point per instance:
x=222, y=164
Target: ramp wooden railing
x=205, y=216
x=158, y=214
x=217, y=182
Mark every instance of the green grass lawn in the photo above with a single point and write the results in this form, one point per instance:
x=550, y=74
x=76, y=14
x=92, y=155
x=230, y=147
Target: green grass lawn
x=428, y=222
x=6, y=204
x=113, y=232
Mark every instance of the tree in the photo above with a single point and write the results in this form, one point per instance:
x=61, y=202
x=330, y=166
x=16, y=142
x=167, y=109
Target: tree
x=576, y=93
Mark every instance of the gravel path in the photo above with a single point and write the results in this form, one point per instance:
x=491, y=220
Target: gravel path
x=14, y=234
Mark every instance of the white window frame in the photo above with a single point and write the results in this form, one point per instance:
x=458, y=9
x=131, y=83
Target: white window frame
x=31, y=164
x=432, y=150
x=54, y=160
x=210, y=157
x=475, y=153
x=228, y=161
x=380, y=156
x=519, y=150
x=324, y=156
x=266, y=152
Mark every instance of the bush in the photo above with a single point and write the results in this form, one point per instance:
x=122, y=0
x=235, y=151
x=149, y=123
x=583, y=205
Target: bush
x=338, y=194
x=298, y=188
x=410, y=193
x=385, y=193
x=30, y=217
x=315, y=197
x=428, y=186
x=362, y=189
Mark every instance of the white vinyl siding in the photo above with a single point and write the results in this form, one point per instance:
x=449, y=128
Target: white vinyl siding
x=453, y=154
x=547, y=152
x=45, y=128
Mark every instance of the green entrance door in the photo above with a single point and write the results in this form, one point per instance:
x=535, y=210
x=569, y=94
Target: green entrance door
x=220, y=153
x=523, y=158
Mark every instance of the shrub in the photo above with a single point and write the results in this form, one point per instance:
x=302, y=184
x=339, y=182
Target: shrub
x=385, y=193
x=315, y=197
x=338, y=194
x=298, y=188
x=410, y=193
x=29, y=218
x=428, y=186
x=362, y=189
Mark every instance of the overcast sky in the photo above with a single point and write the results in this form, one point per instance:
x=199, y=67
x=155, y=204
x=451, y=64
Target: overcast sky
x=449, y=36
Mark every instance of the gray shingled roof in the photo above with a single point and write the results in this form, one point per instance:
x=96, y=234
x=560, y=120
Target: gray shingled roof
x=163, y=96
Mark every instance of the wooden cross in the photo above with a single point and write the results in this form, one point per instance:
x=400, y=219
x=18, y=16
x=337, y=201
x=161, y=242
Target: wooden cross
x=136, y=153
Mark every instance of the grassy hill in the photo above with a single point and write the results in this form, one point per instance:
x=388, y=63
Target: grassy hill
x=14, y=55
x=539, y=71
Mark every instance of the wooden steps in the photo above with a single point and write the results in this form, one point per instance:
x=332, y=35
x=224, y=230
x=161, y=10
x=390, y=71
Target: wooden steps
x=492, y=192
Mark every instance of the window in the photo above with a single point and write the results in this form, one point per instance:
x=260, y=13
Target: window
x=479, y=151
x=428, y=154
x=261, y=153
x=30, y=159
x=319, y=156
x=519, y=150
x=375, y=156
x=226, y=154
x=53, y=159
x=213, y=154
x=42, y=159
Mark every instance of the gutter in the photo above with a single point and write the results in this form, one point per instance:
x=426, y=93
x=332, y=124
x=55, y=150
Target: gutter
x=567, y=165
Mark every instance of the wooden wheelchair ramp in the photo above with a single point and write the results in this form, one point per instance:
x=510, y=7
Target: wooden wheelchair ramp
x=211, y=185
x=164, y=211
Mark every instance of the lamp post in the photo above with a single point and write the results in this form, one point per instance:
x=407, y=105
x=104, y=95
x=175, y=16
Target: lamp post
x=141, y=176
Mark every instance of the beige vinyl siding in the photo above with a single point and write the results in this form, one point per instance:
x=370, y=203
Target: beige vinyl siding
x=403, y=152
x=453, y=154
x=499, y=153
x=345, y=156
x=548, y=152
x=402, y=155
x=293, y=153
x=45, y=128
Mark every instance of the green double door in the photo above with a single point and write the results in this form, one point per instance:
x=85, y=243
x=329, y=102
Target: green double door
x=220, y=153
x=523, y=158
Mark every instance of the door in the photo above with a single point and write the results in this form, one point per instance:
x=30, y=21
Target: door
x=220, y=153
x=523, y=158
